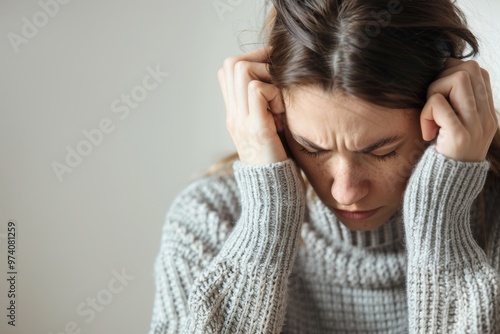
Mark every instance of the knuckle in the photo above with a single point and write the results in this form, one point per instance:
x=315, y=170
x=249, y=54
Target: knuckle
x=229, y=62
x=474, y=68
x=241, y=66
x=485, y=74
x=472, y=65
x=254, y=86
x=462, y=76
x=434, y=97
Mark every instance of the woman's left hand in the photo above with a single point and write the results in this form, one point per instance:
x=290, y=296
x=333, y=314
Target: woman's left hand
x=464, y=129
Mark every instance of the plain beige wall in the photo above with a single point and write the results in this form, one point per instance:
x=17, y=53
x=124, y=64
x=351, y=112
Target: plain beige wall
x=77, y=233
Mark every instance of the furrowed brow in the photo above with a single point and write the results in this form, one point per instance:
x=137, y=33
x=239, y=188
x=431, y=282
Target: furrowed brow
x=372, y=147
x=306, y=142
x=381, y=143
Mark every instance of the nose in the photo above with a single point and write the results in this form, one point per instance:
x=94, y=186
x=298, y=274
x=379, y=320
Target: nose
x=350, y=185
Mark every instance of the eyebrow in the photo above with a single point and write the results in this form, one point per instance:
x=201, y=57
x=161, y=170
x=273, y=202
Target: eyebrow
x=372, y=147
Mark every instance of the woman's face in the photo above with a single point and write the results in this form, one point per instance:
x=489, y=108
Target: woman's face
x=332, y=140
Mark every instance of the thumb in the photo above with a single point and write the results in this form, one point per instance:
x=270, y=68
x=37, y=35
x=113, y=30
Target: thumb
x=437, y=114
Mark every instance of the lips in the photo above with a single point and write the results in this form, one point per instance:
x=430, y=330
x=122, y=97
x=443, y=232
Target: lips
x=355, y=215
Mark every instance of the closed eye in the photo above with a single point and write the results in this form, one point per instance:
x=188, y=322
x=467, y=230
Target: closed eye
x=384, y=157
x=311, y=154
x=387, y=156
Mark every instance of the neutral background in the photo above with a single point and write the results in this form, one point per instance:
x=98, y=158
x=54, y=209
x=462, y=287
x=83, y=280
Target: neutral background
x=76, y=232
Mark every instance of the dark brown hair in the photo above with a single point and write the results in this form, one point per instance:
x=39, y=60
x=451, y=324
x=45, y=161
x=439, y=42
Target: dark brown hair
x=386, y=52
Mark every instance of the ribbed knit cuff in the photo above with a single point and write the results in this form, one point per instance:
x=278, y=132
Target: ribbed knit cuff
x=272, y=211
x=437, y=204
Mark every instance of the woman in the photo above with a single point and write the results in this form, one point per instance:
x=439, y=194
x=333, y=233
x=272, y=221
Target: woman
x=396, y=225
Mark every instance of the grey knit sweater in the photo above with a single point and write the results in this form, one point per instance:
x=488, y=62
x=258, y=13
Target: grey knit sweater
x=232, y=261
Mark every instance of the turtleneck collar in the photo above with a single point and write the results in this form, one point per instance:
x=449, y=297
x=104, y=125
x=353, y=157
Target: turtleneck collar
x=325, y=224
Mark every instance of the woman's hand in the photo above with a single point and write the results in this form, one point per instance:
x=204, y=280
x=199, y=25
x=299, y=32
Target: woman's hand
x=253, y=107
x=464, y=129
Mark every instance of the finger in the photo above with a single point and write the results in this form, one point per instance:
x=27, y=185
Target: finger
x=259, y=55
x=480, y=98
x=245, y=72
x=480, y=91
x=437, y=115
x=264, y=98
x=452, y=65
x=458, y=88
x=222, y=85
x=491, y=101
x=261, y=95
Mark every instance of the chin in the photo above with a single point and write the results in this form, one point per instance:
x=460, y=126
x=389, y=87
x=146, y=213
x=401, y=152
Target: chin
x=362, y=225
x=366, y=224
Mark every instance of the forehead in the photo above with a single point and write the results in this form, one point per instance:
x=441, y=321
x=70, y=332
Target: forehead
x=308, y=108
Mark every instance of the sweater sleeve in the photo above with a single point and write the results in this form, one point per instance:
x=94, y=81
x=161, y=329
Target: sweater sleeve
x=451, y=286
x=242, y=287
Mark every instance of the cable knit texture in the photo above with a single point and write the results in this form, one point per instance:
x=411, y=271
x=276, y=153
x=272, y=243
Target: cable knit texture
x=231, y=259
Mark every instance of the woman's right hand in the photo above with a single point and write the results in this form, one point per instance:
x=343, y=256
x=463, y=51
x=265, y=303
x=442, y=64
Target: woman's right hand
x=253, y=107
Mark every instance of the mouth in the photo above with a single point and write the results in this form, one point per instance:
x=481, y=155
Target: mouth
x=355, y=215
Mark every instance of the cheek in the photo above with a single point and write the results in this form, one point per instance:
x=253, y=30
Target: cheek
x=311, y=169
x=315, y=172
x=393, y=176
